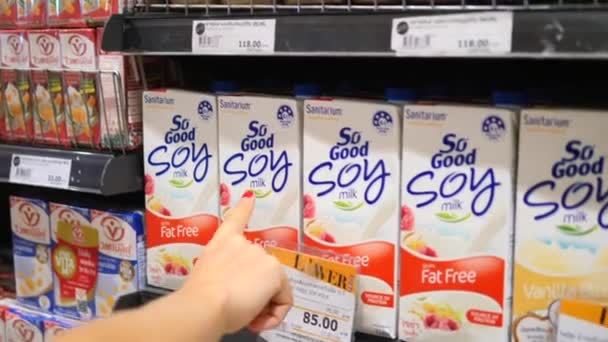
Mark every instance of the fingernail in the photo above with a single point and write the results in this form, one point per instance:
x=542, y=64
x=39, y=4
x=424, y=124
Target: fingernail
x=248, y=194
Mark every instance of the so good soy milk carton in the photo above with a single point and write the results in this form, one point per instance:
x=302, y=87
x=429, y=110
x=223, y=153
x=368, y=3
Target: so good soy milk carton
x=561, y=246
x=456, y=224
x=260, y=151
x=121, y=257
x=351, y=198
x=31, y=252
x=181, y=181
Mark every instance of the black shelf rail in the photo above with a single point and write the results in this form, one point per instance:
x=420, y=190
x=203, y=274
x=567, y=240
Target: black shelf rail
x=536, y=34
x=95, y=172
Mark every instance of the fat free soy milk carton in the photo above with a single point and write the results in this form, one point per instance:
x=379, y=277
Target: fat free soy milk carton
x=121, y=257
x=351, y=198
x=260, y=141
x=74, y=259
x=181, y=182
x=456, y=225
x=561, y=240
x=31, y=252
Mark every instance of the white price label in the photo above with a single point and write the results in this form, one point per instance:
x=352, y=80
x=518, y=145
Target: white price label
x=41, y=171
x=324, y=309
x=482, y=33
x=233, y=36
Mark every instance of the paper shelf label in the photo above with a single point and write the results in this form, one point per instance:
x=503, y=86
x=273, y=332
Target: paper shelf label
x=40, y=171
x=247, y=36
x=324, y=300
x=483, y=33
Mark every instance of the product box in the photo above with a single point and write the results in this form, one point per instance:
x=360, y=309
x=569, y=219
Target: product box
x=260, y=139
x=351, y=198
x=5, y=304
x=22, y=14
x=580, y=320
x=23, y=325
x=15, y=54
x=31, y=252
x=95, y=11
x=74, y=260
x=457, y=222
x=47, y=88
x=561, y=237
x=64, y=13
x=79, y=53
x=121, y=257
x=56, y=326
x=122, y=127
x=181, y=182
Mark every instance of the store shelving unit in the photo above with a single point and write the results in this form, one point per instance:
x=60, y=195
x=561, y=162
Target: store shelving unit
x=96, y=172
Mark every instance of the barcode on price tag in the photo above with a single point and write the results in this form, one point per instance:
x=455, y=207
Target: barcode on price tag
x=324, y=300
x=255, y=36
x=40, y=171
x=482, y=33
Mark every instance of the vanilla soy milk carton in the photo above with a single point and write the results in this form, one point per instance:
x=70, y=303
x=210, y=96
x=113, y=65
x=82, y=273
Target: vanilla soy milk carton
x=260, y=151
x=23, y=325
x=456, y=223
x=32, y=252
x=74, y=259
x=181, y=182
x=121, y=257
x=561, y=238
x=351, y=198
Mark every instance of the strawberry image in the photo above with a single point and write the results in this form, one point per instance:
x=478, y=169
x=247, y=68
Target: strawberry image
x=310, y=209
x=165, y=211
x=149, y=185
x=428, y=251
x=407, y=218
x=224, y=195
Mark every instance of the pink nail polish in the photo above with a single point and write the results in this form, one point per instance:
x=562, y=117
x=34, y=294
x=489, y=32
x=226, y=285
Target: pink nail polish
x=248, y=194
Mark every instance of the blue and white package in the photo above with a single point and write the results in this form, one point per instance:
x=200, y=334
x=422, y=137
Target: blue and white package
x=31, y=249
x=121, y=256
x=23, y=325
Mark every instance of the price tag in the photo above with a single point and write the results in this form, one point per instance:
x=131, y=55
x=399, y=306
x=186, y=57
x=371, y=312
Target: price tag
x=483, y=33
x=324, y=295
x=41, y=171
x=233, y=36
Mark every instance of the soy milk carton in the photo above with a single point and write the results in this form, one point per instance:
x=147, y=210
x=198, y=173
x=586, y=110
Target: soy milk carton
x=31, y=252
x=260, y=151
x=456, y=223
x=561, y=246
x=121, y=257
x=23, y=326
x=74, y=260
x=181, y=182
x=351, y=198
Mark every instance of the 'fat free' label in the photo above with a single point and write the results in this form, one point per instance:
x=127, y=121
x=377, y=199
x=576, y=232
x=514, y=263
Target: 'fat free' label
x=458, y=165
x=562, y=220
x=260, y=139
x=351, y=199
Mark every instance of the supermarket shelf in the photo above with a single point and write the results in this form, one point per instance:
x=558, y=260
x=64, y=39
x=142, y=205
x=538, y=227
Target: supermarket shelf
x=151, y=293
x=537, y=34
x=103, y=173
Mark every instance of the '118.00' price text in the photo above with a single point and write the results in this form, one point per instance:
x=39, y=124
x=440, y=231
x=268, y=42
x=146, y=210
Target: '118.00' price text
x=250, y=44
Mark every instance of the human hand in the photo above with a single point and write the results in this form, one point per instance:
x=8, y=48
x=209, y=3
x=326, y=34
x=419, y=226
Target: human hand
x=250, y=284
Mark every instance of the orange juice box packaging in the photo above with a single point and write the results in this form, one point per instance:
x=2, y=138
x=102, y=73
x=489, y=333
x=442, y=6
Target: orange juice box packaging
x=75, y=261
x=120, y=129
x=47, y=89
x=79, y=53
x=8, y=13
x=99, y=10
x=181, y=182
x=32, y=252
x=31, y=13
x=457, y=209
x=16, y=84
x=121, y=256
x=64, y=13
x=260, y=143
x=23, y=325
x=351, y=198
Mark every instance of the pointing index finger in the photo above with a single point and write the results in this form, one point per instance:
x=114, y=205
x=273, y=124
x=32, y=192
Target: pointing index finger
x=236, y=218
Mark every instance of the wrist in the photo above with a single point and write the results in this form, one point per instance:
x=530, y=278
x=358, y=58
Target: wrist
x=205, y=307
